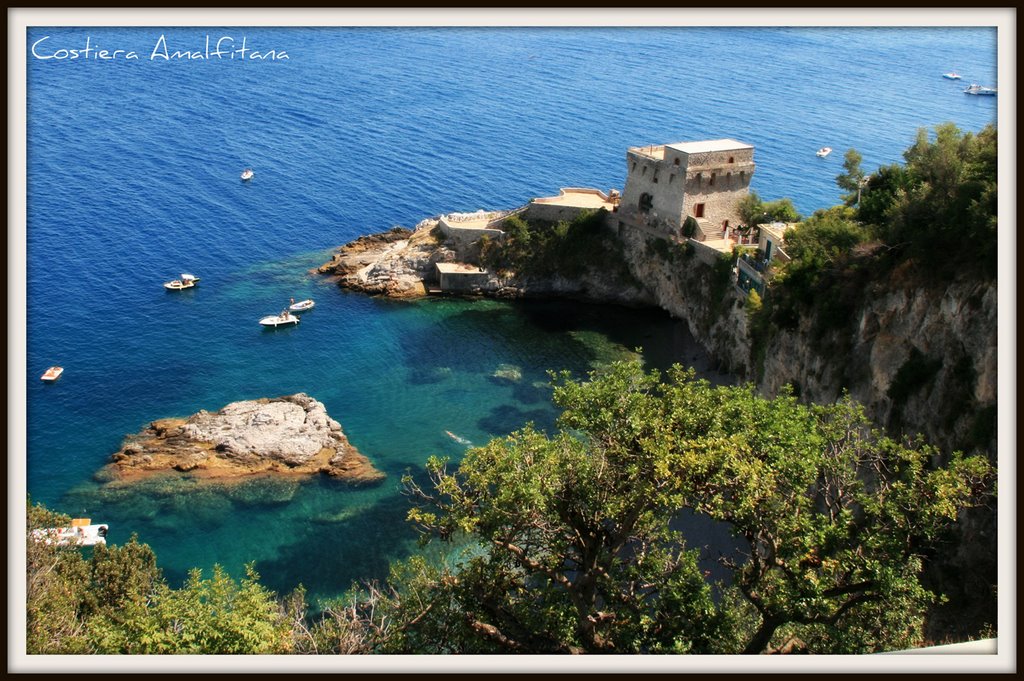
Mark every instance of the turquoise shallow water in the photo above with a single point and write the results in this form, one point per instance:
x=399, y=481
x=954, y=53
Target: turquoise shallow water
x=133, y=177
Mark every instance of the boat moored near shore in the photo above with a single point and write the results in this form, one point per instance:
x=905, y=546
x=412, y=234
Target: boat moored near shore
x=273, y=321
x=301, y=306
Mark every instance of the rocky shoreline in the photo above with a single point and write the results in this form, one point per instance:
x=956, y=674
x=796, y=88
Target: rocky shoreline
x=290, y=435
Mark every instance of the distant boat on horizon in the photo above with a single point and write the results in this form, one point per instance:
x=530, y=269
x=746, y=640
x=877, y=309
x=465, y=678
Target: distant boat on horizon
x=976, y=89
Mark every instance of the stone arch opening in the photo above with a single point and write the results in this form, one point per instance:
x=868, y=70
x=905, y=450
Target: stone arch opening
x=645, y=203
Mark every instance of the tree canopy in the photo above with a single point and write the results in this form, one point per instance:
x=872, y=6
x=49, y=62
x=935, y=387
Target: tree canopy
x=939, y=208
x=752, y=210
x=575, y=549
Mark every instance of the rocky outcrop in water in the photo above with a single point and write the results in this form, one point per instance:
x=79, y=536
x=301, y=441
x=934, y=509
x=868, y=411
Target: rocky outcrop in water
x=393, y=263
x=290, y=435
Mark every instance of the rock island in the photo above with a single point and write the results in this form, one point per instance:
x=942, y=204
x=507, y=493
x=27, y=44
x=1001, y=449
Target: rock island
x=290, y=435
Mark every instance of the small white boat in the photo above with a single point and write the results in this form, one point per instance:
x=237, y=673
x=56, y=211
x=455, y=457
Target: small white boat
x=52, y=374
x=302, y=305
x=952, y=75
x=824, y=151
x=976, y=89
x=247, y=174
x=183, y=282
x=81, y=533
x=286, y=318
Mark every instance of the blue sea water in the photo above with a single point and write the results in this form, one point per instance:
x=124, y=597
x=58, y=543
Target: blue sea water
x=133, y=177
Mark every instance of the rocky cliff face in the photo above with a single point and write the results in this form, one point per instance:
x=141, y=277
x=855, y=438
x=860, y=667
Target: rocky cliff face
x=394, y=263
x=922, y=359
x=285, y=435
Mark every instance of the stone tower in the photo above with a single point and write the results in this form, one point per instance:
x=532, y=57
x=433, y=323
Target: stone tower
x=666, y=184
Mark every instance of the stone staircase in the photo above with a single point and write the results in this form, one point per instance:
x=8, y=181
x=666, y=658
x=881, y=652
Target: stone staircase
x=706, y=231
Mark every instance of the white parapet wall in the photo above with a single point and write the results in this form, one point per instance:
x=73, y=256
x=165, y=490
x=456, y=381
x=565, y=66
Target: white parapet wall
x=468, y=227
x=570, y=202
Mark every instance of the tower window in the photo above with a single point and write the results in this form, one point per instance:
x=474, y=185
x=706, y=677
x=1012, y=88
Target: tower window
x=646, y=201
x=698, y=210
x=731, y=160
x=643, y=171
x=634, y=165
x=655, y=178
x=675, y=162
x=711, y=182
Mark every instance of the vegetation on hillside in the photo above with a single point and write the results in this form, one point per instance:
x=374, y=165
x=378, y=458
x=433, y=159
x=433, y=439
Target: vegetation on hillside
x=934, y=215
x=754, y=211
x=117, y=602
x=931, y=220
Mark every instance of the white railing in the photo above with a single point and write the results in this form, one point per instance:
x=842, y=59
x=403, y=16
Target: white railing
x=479, y=216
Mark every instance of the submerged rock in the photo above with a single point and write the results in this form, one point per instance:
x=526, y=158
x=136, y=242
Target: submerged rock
x=289, y=435
x=508, y=372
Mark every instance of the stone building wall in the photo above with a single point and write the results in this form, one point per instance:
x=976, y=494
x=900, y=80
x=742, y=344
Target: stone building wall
x=719, y=184
x=663, y=183
x=673, y=183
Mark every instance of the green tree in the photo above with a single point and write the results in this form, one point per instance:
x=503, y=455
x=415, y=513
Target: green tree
x=753, y=211
x=852, y=178
x=690, y=226
x=750, y=209
x=825, y=238
x=781, y=210
x=575, y=546
x=940, y=210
